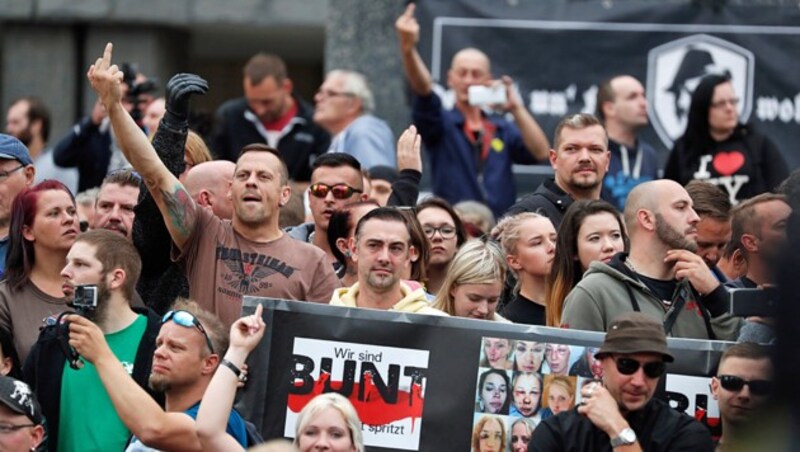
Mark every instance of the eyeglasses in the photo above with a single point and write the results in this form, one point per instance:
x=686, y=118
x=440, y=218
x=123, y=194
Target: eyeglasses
x=331, y=93
x=339, y=191
x=735, y=384
x=188, y=320
x=628, y=366
x=4, y=174
x=8, y=428
x=446, y=231
x=722, y=102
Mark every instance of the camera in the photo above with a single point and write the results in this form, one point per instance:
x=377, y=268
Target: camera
x=479, y=95
x=85, y=301
x=753, y=302
x=136, y=90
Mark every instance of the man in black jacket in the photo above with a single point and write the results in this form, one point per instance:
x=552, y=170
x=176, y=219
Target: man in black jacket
x=621, y=414
x=78, y=409
x=269, y=113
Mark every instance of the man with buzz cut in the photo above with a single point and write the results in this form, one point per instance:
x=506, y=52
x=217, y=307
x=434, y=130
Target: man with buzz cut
x=223, y=261
x=79, y=412
x=620, y=414
x=382, y=250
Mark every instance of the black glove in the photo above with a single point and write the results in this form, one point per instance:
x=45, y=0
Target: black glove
x=179, y=89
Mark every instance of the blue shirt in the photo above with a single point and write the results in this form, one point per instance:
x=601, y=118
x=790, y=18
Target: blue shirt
x=457, y=172
x=369, y=140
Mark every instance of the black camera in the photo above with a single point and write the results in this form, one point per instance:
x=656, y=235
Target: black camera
x=85, y=301
x=754, y=302
x=136, y=90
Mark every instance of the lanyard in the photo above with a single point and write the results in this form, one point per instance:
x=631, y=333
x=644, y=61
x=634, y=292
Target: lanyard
x=626, y=166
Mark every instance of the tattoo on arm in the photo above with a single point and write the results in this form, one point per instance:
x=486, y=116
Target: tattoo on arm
x=181, y=210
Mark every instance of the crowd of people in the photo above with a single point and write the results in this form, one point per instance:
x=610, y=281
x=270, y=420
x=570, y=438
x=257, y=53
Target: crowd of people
x=154, y=237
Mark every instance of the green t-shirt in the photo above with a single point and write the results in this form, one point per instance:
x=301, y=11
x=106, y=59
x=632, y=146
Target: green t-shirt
x=88, y=420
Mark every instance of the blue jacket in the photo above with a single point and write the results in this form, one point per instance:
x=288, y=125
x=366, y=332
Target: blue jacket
x=617, y=183
x=456, y=173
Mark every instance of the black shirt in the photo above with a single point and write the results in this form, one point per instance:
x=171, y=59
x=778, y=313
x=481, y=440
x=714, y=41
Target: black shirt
x=522, y=310
x=658, y=428
x=662, y=288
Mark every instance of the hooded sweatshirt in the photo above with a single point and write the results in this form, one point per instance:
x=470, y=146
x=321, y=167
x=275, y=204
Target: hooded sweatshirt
x=412, y=301
x=608, y=290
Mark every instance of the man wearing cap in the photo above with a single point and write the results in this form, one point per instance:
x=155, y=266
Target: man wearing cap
x=21, y=420
x=621, y=414
x=16, y=173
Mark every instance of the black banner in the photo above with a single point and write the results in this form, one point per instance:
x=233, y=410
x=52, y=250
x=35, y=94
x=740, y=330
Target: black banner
x=423, y=382
x=558, y=53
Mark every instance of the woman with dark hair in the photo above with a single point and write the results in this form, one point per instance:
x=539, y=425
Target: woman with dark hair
x=445, y=232
x=9, y=361
x=590, y=231
x=717, y=148
x=44, y=224
x=493, y=388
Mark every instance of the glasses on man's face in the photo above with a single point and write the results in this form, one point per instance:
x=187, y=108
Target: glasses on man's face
x=8, y=428
x=5, y=174
x=735, y=384
x=446, y=231
x=188, y=320
x=628, y=366
x=339, y=191
x=723, y=102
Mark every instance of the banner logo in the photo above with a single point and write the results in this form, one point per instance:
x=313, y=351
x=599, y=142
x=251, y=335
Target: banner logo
x=674, y=69
x=386, y=385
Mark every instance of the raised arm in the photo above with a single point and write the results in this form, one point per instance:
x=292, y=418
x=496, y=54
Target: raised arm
x=405, y=190
x=174, y=202
x=137, y=410
x=417, y=74
x=215, y=409
x=532, y=134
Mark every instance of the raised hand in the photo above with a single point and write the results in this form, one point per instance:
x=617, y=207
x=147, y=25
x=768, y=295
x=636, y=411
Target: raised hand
x=408, y=150
x=106, y=78
x=247, y=332
x=180, y=89
x=407, y=28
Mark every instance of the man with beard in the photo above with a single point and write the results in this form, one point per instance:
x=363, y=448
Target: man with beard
x=269, y=113
x=223, y=260
x=28, y=119
x=79, y=412
x=580, y=160
x=661, y=277
x=621, y=414
x=115, y=202
x=189, y=345
x=713, y=206
x=741, y=387
x=382, y=250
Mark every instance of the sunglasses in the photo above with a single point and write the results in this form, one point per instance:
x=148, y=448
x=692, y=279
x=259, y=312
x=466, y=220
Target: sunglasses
x=628, y=366
x=188, y=320
x=735, y=384
x=340, y=191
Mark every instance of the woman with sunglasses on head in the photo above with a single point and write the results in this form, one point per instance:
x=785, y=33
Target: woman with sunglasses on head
x=590, y=231
x=529, y=240
x=44, y=225
x=716, y=146
x=474, y=282
x=442, y=226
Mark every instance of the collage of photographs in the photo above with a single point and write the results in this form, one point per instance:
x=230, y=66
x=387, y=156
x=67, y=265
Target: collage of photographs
x=520, y=383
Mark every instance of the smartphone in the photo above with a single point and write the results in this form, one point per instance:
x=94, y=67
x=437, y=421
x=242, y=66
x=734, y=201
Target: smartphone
x=479, y=95
x=753, y=302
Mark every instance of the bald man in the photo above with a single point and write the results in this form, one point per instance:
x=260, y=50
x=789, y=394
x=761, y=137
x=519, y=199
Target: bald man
x=466, y=144
x=208, y=184
x=662, y=226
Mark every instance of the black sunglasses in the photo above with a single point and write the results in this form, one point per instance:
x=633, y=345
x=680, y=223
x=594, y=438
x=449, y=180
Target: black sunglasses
x=339, y=191
x=628, y=366
x=735, y=384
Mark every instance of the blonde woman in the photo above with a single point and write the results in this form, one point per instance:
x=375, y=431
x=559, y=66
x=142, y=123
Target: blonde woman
x=529, y=241
x=329, y=422
x=474, y=282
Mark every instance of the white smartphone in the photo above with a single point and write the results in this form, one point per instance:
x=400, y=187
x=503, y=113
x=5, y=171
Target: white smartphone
x=479, y=95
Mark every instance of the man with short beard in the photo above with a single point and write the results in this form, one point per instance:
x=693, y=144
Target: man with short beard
x=79, y=412
x=382, y=250
x=661, y=277
x=580, y=160
x=115, y=202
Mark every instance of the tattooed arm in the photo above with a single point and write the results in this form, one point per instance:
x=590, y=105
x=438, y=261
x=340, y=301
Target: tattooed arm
x=174, y=202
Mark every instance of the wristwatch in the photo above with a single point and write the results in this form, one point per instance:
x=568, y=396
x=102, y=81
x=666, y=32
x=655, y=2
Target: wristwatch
x=625, y=438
